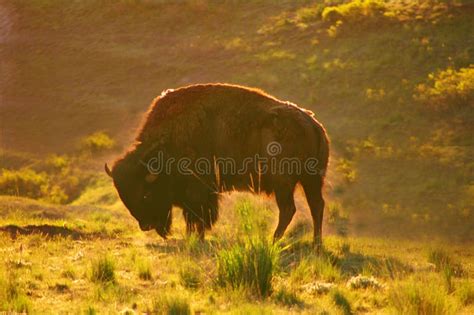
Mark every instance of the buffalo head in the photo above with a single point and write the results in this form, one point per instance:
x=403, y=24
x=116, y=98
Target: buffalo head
x=147, y=196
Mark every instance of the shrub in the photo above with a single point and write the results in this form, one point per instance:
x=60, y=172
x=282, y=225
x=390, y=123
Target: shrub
x=347, y=169
x=363, y=282
x=356, y=12
x=25, y=182
x=250, y=265
x=448, y=88
x=103, y=270
x=308, y=14
x=171, y=304
x=97, y=143
x=53, y=185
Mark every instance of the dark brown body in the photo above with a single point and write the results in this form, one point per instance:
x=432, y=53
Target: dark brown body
x=213, y=121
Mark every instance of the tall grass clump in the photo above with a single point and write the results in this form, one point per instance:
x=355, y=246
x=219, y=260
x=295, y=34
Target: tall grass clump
x=423, y=297
x=342, y=302
x=12, y=298
x=287, y=297
x=190, y=275
x=312, y=267
x=171, y=305
x=465, y=292
x=143, y=269
x=250, y=265
x=444, y=262
x=103, y=270
x=253, y=218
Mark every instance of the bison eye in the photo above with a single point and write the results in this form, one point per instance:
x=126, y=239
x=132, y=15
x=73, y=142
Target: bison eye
x=146, y=196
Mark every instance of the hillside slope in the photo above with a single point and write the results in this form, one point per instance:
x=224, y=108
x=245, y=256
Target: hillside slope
x=399, y=167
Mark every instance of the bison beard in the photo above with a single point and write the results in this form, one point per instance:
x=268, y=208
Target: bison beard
x=209, y=121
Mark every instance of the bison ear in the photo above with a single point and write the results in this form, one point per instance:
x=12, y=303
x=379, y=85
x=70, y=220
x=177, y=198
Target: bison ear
x=150, y=178
x=107, y=170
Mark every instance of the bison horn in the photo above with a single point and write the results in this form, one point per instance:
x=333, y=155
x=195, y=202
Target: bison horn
x=150, y=178
x=107, y=170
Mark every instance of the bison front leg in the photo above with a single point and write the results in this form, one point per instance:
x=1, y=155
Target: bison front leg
x=200, y=211
x=193, y=226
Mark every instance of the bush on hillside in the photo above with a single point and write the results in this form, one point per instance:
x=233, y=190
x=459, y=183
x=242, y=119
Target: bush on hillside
x=97, y=143
x=24, y=182
x=448, y=88
x=355, y=12
x=57, y=180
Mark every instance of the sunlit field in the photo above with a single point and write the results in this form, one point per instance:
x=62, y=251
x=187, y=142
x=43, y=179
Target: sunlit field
x=391, y=81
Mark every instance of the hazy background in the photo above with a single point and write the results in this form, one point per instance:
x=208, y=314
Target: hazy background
x=392, y=81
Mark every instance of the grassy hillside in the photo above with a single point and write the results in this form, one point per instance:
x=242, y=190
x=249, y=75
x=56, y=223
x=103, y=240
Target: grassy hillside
x=372, y=71
x=94, y=260
x=392, y=81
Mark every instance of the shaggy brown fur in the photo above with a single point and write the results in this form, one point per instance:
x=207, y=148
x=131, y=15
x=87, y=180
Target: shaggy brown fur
x=220, y=121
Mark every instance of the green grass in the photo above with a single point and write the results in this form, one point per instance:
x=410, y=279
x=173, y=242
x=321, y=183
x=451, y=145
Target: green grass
x=422, y=296
x=12, y=295
x=444, y=262
x=226, y=275
x=190, y=275
x=250, y=265
x=341, y=302
x=287, y=298
x=103, y=270
x=144, y=269
x=312, y=267
x=171, y=305
x=465, y=292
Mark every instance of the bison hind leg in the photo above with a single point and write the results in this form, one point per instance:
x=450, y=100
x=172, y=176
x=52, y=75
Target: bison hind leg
x=313, y=187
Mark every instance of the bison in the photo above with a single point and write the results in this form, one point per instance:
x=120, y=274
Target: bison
x=201, y=140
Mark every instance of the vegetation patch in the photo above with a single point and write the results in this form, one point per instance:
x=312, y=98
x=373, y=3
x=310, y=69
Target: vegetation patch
x=363, y=282
x=444, y=262
x=250, y=265
x=190, y=275
x=12, y=295
x=422, y=296
x=447, y=89
x=98, y=142
x=103, y=270
x=173, y=304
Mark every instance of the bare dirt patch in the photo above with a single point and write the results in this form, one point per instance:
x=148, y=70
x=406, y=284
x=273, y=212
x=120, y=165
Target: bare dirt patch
x=47, y=230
